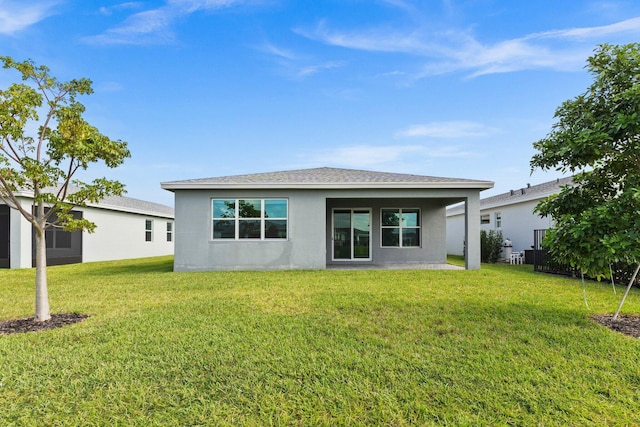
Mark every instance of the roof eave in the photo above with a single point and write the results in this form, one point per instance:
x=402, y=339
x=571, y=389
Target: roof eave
x=479, y=185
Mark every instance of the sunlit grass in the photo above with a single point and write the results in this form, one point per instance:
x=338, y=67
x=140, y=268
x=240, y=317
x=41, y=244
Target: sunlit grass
x=502, y=345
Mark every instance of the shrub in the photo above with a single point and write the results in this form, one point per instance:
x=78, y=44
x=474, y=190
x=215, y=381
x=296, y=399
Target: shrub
x=490, y=245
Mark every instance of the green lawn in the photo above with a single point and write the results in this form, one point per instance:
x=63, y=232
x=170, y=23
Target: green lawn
x=499, y=346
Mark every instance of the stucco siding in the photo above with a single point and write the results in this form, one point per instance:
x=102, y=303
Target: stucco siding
x=196, y=250
x=432, y=227
x=309, y=241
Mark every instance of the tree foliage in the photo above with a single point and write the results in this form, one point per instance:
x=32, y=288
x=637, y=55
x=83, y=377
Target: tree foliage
x=44, y=143
x=597, y=138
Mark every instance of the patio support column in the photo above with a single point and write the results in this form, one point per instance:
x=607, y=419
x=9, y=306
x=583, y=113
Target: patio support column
x=472, y=231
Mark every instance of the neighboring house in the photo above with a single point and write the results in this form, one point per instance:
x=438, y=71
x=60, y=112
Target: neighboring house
x=511, y=212
x=126, y=228
x=317, y=218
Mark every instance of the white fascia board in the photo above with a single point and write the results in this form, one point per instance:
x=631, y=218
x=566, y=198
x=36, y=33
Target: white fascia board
x=524, y=199
x=480, y=185
x=128, y=210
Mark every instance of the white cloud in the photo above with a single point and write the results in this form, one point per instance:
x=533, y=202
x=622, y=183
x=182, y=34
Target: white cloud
x=451, y=129
x=277, y=51
x=155, y=26
x=109, y=10
x=631, y=26
x=314, y=69
x=368, y=156
x=296, y=65
x=363, y=156
x=460, y=50
x=18, y=15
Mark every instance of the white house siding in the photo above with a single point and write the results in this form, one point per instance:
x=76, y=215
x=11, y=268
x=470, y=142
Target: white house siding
x=516, y=209
x=20, y=238
x=455, y=234
x=121, y=235
x=518, y=223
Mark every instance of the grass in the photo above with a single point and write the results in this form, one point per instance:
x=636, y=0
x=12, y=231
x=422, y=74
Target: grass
x=498, y=346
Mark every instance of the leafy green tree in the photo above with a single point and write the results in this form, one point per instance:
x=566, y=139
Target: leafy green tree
x=42, y=157
x=597, y=138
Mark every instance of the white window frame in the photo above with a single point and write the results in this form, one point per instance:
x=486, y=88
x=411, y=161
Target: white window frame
x=169, y=231
x=148, y=231
x=485, y=219
x=263, y=219
x=498, y=219
x=400, y=227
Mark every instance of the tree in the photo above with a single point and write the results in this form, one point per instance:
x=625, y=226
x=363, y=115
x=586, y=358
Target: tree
x=597, y=138
x=44, y=162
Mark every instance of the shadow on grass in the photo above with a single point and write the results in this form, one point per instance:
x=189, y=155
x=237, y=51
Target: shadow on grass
x=521, y=315
x=144, y=266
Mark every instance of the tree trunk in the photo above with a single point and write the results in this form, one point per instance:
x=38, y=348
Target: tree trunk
x=615, y=316
x=42, y=293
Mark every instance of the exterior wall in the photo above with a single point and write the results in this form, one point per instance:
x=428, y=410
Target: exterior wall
x=518, y=223
x=432, y=230
x=309, y=235
x=121, y=235
x=4, y=236
x=20, y=238
x=118, y=235
x=472, y=232
x=455, y=234
x=196, y=250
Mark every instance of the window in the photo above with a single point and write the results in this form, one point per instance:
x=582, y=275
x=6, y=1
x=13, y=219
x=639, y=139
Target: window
x=256, y=219
x=148, y=230
x=485, y=219
x=57, y=238
x=498, y=220
x=400, y=228
x=169, y=232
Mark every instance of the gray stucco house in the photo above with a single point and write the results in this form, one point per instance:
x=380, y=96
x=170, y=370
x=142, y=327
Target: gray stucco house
x=319, y=218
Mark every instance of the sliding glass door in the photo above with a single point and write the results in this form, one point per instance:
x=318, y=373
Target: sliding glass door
x=351, y=234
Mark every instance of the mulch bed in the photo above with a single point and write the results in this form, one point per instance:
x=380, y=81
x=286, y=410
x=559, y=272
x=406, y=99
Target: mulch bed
x=27, y=324
x=628, y=325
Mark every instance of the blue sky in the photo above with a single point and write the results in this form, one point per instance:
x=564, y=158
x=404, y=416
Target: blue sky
x=203, y=88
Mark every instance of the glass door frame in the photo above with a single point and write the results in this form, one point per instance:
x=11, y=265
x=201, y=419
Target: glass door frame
x=352, y=212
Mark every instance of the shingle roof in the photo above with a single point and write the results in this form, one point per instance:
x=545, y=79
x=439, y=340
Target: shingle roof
x=129, y=204
x=124, y=204
x=326, y=178
x=530, y=192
